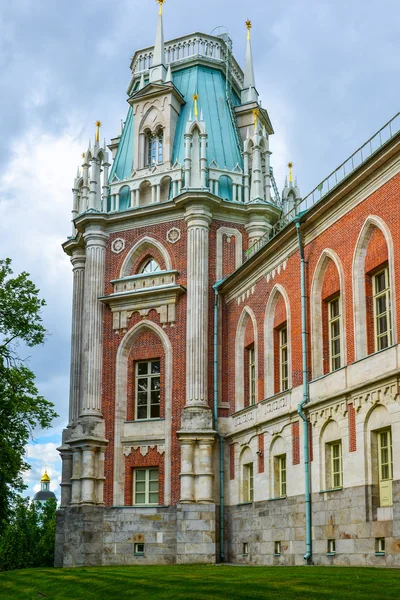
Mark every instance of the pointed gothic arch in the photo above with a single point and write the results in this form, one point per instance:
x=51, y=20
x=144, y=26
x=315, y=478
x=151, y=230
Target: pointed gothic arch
x=359, y=300
x=146, y=243
x=121, y=399
x=277, y=291
x=316, y=309
x=247, y=314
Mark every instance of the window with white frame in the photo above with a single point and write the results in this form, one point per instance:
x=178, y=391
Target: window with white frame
x=283, y=359
x=382, y=316
x=148, y=389
x=145, y=486
x=335, y=361
x=151, y=266
x=280, y=476
x=155, y=147
x=335, y=473
x=252, y=375
x=385, y=462
x=248, y=482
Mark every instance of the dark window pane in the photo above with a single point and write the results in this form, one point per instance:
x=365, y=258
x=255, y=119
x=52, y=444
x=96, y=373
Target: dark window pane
x=142, y=412
x=155, y=411
x=382, y=324
x=155, y=384
x=334, y=309
x=155, y=367
x=335, y=329
x=142, y=368
x=142, y=398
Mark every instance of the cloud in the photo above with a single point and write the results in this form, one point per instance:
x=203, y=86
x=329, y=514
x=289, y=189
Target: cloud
x=42, y=457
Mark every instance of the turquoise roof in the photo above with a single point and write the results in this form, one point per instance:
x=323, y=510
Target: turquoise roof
x=222, y=146
x=123, y=163
x=210, y=85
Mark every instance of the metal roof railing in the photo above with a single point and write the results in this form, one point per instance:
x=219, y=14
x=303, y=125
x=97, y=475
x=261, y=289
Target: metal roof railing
x=379, y=139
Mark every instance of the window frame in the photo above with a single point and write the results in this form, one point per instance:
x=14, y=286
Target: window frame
x=385, y=482
x=148, y=262
x=283, y=350
x=281, y=460
x=154, y=148
x=147, y=484
x=252, y=375
x=334, y=461
x=377, y=295
x=148, y=377
x=248, y=480
x=332, y=320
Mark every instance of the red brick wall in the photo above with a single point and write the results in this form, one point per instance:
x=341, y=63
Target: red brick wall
x=261, y=451
x=135, y=460
x=352, y=428
x=296, y=443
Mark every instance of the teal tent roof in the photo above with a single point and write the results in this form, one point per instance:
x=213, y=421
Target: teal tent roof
x=222, y=145
x=210, y=85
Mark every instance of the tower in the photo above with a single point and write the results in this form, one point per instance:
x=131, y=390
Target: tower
x=44, y=493
x=188, y=192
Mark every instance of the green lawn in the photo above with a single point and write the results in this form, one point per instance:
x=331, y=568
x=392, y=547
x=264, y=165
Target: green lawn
x=201, y=583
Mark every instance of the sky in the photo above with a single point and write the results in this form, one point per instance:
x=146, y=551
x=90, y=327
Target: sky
x=328, y=72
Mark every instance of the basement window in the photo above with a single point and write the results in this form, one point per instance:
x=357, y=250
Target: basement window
x=277, y=549
x=331, y=547
x=380, y=547
x=139, y=549
x=245, y=549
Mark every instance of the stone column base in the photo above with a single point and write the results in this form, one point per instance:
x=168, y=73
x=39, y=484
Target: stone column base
x=196, y=534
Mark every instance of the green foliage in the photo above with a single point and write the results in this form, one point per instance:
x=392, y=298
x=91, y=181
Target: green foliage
x=21, y=407
x=28, y=539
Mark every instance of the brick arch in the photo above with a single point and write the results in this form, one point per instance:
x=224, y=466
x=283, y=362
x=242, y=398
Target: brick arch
x=326, y=259
x=121, y=399
x=145, y=244
x=277, y=292
x=247, y=314
x=359, y=297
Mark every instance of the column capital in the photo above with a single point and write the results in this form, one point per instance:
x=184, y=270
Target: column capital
x=95, y=236
x=78, y=258
x=198, y=215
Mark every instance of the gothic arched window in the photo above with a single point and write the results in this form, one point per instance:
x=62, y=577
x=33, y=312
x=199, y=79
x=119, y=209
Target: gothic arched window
x=150, y=266
x=155, y=147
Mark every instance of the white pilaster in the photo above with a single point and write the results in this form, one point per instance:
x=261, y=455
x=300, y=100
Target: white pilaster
x=187, y=470
x=78, y=259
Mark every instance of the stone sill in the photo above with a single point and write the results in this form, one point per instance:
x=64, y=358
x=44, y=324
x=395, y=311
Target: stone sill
x=277, y=555
x=380, y=553
x=144, y=420
x=244, y=503
x=339, y=489
x=141, y=506
x=331, y=553
x=278, y=498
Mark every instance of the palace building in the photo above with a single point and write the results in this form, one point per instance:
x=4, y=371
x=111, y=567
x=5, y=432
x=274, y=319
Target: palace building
x=235, y=361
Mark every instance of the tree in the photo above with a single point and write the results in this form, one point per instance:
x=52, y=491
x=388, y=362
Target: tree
x=21, y=407
x=28, y=539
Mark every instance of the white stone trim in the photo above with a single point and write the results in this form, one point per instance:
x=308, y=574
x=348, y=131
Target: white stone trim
x=229, y=231
x=359, y=303
x=121, y=391
x=316, y=310
x=247, y=314
x=144, y=243
x=276, y=291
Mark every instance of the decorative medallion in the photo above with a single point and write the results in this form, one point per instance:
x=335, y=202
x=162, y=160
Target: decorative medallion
x=118, y=245
x=174, y=235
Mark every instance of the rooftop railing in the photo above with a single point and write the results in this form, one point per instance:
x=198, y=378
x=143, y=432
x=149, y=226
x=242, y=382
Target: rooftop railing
x=379, y=139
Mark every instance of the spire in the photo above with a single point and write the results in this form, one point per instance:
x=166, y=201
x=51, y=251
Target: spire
x=196, y=106
x=158, y=71
x=168, y=78
x=98, y=125
x=290, y=165
x=249, y=92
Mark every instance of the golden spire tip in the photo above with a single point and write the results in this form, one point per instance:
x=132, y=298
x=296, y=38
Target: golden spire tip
x=160, y=2
x=249, y=25
x=98, y=125
x=196, y=107
x=290, y=165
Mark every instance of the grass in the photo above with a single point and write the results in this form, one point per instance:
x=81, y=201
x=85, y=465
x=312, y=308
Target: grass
x=201, y=583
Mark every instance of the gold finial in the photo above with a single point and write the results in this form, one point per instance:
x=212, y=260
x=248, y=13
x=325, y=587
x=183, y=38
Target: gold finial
x=98, y=125
x=256, y=112
x=290, y=165
x=196, y=106
x=160, y=2
x=83, y=156
x=249, y=26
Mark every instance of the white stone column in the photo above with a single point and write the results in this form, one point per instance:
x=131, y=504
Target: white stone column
x=93, y=183
x=85, y=187
x=153, y=194
x=105, y=186
x=268, y=176
x=78, y=259
x=203, y=159
x=75, y=203
x=158, y=195
x=188, y=159
x=205, y=476
x=198, y=220
x=187, y=470
x=257, y=186
x=100, y=477
x=66, y=485
x=76, y=476
x=88, y=479
x=246, y=177
x=92, y=349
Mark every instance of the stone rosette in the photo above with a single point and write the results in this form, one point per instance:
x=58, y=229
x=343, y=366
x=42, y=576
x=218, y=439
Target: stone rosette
x=118, y=246
x=174, y=235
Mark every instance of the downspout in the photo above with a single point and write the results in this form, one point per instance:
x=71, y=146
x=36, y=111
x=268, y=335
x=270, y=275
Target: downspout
x=220, y=437
x=308, y=554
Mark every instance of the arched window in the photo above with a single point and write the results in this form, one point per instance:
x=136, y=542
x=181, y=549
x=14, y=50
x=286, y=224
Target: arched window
x=277, y=343
x=331, y=456
x=150, y=266
x=155, y=148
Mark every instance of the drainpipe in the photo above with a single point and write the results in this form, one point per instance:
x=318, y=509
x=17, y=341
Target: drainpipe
x=220, y=437
x=308, y=555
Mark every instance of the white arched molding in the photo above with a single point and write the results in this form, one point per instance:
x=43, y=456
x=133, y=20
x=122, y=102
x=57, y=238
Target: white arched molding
x=145, y=243
x=359, y=301
x=316, y=311
x=121, y=399
x=247, y=314
x=228, y=231
x=277, y=291
x=378, y=417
